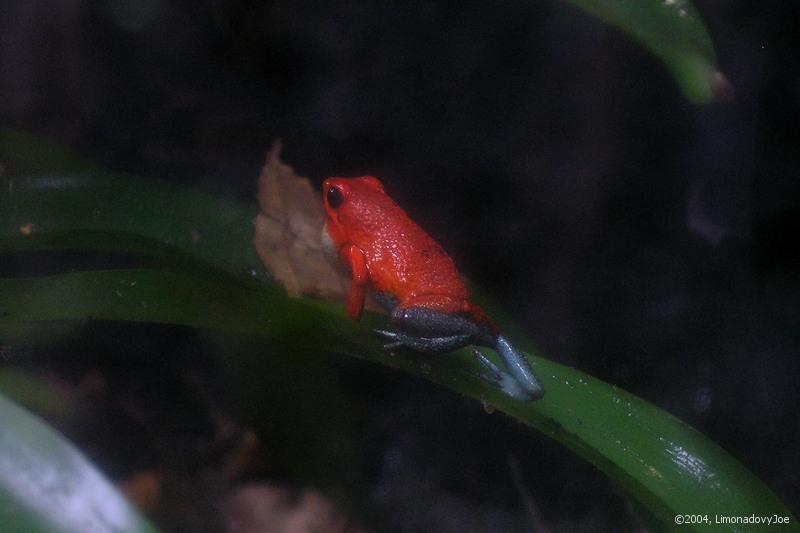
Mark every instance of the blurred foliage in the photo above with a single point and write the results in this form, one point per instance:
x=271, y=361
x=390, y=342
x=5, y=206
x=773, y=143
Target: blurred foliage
x=47, y=485
x=32, y=393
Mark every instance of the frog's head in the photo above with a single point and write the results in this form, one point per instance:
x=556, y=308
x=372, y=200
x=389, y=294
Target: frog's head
x=350, y=205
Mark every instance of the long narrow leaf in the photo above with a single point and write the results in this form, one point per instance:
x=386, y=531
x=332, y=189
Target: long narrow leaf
x=23, y=153
x=669, y=467
x=215, y=229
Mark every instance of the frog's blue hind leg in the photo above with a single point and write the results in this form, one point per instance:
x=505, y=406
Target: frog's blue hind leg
x=518, y=369
x=526, y=388
x=426, y=330
x=430, y=331
x=498, y=378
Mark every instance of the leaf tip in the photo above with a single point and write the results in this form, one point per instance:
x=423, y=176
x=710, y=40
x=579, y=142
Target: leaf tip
x=722, y=90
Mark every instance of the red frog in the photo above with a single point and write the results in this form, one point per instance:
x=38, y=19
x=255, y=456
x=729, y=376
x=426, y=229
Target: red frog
x=415, y=280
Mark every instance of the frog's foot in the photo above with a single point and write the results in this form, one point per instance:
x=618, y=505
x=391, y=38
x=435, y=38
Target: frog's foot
x=500, y=379
x=445, y=343
x=518, y=369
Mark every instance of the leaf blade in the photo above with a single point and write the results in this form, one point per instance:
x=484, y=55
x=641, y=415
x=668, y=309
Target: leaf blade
x=674, y=32
x=667, y=465
x=195, y=222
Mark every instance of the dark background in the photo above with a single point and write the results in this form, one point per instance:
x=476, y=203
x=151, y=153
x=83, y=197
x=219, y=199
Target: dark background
x=637, y=237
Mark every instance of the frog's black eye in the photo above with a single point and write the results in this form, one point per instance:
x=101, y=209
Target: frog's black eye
x=335, y=197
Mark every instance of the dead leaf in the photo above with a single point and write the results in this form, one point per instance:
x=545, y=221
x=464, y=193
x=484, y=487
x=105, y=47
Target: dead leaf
x=288, y=234
x=268, y=508
x=247, y=457
x=144, y=489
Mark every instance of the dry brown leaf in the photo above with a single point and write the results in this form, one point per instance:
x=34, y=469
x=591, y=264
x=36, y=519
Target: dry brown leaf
x=268, y=508
x=247, y=457
x=288, y=233
x=289, y=229
x=144, y=489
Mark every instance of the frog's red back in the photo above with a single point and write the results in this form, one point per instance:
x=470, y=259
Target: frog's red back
x=402, y=259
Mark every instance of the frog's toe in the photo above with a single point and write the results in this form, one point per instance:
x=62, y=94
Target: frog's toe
x=500, y=379
x=491, y=372
x=386, y=333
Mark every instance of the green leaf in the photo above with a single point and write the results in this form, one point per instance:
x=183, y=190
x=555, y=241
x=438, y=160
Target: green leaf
x=270, y=386
x=294, y=401
x=674, y=32
x=215, y=229
x=32, y=393
x=20, y=152
x=666, y=465
x=47, y=485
